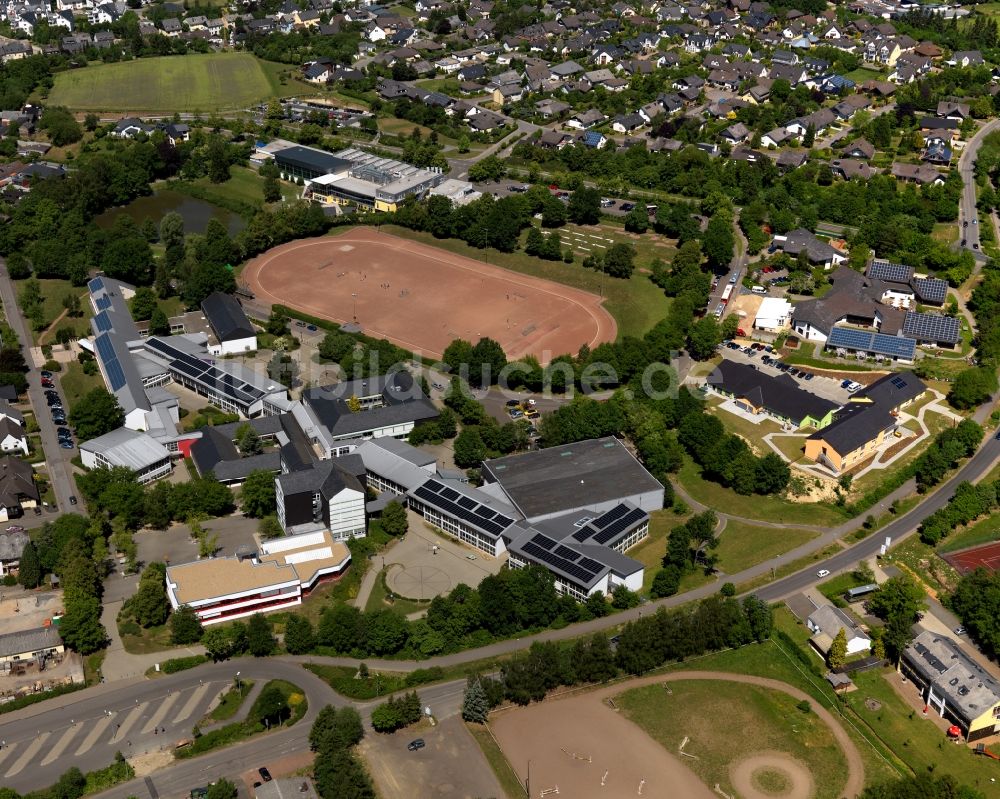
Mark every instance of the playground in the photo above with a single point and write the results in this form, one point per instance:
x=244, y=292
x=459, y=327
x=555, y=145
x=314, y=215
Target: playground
x=422, y=298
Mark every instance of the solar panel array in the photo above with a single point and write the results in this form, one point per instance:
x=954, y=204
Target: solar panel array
x=205, y=373
x=931, y=327
x=931, y=289
x=562, y=559
x=95, y=285
x=872, y=343
x=895, y=273
x=103, y=322
x=103, y=302
x=457, y=505
x=109, y=358
x=609, y=525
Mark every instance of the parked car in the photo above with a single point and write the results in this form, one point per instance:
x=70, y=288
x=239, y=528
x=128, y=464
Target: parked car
x=513, y=403
x=264, y=774
x=959, y=630
x=823, y=573
x=45, y=373
x=64, y=444
x=628, y=206
x=417, y=743
x=72, y=500
x=516, y=413
x=810, y=375
x=64, y=431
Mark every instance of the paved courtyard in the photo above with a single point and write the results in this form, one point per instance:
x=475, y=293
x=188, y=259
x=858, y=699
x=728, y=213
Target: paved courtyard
x=426, y=563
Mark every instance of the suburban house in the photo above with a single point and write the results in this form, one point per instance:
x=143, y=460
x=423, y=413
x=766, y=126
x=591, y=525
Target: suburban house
x=817, y=251
x=953, y=684
x=17, y=487
x=865, y=423
x=778, y=397
x=827, y=621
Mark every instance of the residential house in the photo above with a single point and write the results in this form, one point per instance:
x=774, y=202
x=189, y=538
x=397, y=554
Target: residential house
x=779, y=397
x=818, y=252
x=17, y=487
x=827, y=621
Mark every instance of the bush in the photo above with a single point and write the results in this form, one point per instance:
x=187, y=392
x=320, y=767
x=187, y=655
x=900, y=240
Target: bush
x=174, y=665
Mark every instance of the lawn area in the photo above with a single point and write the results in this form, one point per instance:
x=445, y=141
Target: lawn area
x=636, y=304
x=807, y=358
x=75, y=382
x=54, y=291
x=764, y=508
x=945, y=232
x=860, y=75
x=982, y=532
x=198, y=82
x=791, y=446
x=835, y=589
x=744, y=428
x=146, y=641
x=706, y=713
x=379, y=600
x=915, y=740
x=788, y=568
x=244, y=188
x=505, y=774
x=401, y=127
x=742, y=545
x=650, y=551
x=918, y=558
x=231, y=701
x=986, y=9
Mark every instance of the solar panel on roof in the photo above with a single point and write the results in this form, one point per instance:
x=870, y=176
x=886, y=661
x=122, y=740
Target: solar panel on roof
x=583, y=534
x=931, y=289
x=97, y=284
x=609, y=532
x=932, y=327
x=612, y=515
x=104, y=348
x=449, y=493
x=116, y=376
x=103, y=322
x=544, y=541
x=591, y=565
x=103, y=303
x=467, y=502
x=874, y=343
x=566, y=552
x=895, y=273
x=484, y=512
x=186, y=370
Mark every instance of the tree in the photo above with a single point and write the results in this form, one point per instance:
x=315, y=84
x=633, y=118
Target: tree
x=207, y=278
x=394, y=519
x=218, y=159
x=469, y=448
x=91, y=121
x=257, y=496
x=247, y=440
x=150, y=605
x=703, y=338
x=619, y=260
x=637, y=220
x=719, y=241
x=486, y=361
x=270, y=527
x=666, y=582
x=271, y=705
x=184, y=626
x=221, y=789
x=897, y=603
x=277, y=322
x=474, y=705
x=61, y=126
x=159, y=324
x=299, y=635
x=584, y=206
x=282, y=368
x=95, y=414
x=837, y=656
x=534, y=242
x=341, y=776
x=972, y=387
x=30, y=571
x=143, y=303
x=487, y=169
x=259, y=636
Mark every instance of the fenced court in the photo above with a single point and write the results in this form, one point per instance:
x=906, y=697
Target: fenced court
x=422, y=298
x=968, y=560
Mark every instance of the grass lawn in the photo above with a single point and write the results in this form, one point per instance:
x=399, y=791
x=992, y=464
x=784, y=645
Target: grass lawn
x=788, y=568
x=54, y=290
x=152, y=639
x=245, y=187
x=834, y=364
x=916, y=740
x=706, y=713
x=792, y=447
x=379, y=600
x=861, y=74
x=981, y=532
x=231, y=701
x=764, y=508
x=447, y=86
x=742, y=545
x=915, y=556
x=651, y=550
x=835, y=589
x=505, y=774
x=636, y=304
x=744, y=428
x=945, y=232
x=75, y=383
x=200, y=82
x=401, y=127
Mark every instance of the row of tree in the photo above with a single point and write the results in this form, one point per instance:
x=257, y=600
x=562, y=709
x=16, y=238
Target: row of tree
x=395, y=714
x=948, y=448
x=968, y=504
x=338, y=772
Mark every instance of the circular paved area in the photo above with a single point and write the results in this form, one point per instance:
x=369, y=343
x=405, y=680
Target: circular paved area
x=418, y=582
x=797, y=776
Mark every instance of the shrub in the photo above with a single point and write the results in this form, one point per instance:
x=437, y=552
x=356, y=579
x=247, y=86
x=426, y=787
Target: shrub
x=181, y=664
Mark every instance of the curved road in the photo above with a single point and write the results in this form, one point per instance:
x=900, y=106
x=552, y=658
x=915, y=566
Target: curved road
x=968, y=214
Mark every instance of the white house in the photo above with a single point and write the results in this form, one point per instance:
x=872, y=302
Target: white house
x=827, y=621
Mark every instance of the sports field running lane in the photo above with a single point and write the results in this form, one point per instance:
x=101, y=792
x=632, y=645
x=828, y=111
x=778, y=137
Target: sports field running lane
x=421, y=297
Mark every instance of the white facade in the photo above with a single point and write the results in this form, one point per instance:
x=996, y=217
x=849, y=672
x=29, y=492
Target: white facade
x=347, y=514
x=237, y=346
x=11, y=443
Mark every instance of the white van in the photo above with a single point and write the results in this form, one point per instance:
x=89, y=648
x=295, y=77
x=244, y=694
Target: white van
x=759, y=290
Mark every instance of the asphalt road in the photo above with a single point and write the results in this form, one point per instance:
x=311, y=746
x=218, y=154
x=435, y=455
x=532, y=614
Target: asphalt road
x=968, y=214
x=906, y=525
x=56, y=459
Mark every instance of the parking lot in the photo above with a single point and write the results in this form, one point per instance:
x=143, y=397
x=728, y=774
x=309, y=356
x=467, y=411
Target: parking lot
x=827, y=387
x=451, y=764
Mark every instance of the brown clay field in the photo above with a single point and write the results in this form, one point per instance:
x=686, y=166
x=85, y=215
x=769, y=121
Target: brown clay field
x=655, y=737
x=422, y=298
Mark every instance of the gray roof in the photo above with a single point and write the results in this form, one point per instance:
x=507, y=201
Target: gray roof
x=403, y=400
x=383, y=461
x=968, y=689
x=27, y=641
x=12, y=545
x=327, y=477
x=780, y=395
x=113, y=328
x=405, y=451
x=17, y=481
x=226, y=316
x=577, y=475
x=892, y=391
x=801, y=240
x=124, y=447
x=239, y=469
x=830, y=620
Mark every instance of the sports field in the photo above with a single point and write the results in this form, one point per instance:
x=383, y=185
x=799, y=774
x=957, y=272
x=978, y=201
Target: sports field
x=653, y=740
x=967, y=561
x=197, y=82
x=422, y=298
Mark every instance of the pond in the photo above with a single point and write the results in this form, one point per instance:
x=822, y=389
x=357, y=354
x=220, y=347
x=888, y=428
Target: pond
x=195, y=213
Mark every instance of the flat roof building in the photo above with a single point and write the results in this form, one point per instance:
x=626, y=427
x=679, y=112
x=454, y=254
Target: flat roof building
x=147, y=458
x=591, y=475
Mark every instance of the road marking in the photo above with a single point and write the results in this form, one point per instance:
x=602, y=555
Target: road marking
x=29, y=753
x=130, y=719
x=192, y=703
x=62, y=743
x=164, y=708
x=6, y=752
x=94, y=734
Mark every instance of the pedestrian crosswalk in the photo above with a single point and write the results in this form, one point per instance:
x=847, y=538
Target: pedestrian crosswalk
x=128, y=729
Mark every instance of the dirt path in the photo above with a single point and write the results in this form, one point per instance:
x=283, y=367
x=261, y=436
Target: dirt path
x=800, y=779
x=578, y=742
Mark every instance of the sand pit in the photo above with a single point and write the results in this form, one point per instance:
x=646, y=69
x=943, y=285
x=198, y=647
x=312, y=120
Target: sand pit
x=422, y=298
x=772, y=774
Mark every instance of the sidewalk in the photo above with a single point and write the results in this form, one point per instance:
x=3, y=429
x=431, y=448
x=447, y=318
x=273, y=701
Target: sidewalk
x=122, y=665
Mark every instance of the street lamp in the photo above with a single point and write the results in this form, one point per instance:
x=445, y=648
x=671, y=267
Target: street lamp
x=239, y=684
x=355, y=296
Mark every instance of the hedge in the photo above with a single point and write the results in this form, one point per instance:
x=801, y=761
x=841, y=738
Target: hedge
x=180, y=664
